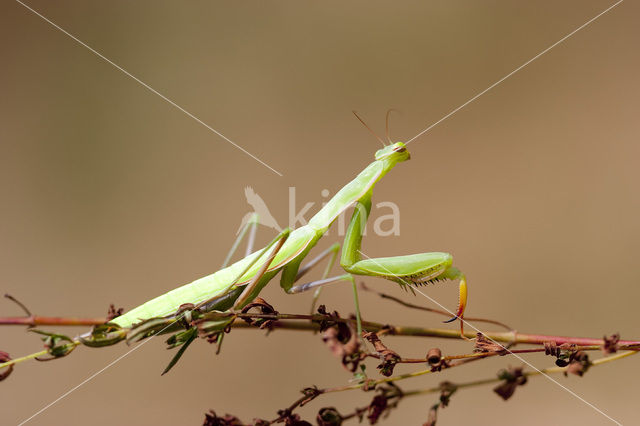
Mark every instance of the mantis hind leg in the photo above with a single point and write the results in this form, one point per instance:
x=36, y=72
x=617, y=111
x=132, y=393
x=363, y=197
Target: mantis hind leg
x=249, y=227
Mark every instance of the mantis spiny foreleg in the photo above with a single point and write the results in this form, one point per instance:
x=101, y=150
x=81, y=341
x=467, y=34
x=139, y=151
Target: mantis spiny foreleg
x=408, y=270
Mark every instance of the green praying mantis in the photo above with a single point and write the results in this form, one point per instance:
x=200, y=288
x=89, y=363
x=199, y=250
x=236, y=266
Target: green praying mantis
x=236, y=285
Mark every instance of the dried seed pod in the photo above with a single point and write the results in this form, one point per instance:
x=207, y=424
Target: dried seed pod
x=328, y=416
x=611, y=343
x=579, y=364
x=4, y=357
x=113, y=312
x=551, y=348
x=513, y=377
x=434, y=357
x=484, y=344
x=259, y=305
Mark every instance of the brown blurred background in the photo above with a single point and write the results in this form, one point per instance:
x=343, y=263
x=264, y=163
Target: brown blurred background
x=109, y=194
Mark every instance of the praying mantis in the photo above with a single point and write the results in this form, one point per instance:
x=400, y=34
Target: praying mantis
x=236, y=285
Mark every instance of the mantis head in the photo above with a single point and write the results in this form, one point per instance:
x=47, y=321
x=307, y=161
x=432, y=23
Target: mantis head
x=393, y=153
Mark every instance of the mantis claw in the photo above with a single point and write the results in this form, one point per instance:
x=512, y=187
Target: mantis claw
x=462, y=303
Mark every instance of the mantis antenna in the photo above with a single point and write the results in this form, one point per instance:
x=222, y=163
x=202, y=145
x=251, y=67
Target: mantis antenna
x=386, y=129
x=368, y=128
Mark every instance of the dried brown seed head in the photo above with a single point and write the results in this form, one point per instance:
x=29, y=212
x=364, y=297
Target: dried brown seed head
x=611, y=343
x=4, y=357
x=513, y=377
x=434, y=356
x=483, y=344
x=328, y=416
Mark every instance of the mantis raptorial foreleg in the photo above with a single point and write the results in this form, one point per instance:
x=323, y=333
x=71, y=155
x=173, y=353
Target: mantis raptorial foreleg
x=408, y=270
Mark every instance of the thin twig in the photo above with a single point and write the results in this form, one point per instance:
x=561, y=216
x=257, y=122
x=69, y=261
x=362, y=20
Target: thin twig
x=496, y=353
x=550, y=370
x=433, y=310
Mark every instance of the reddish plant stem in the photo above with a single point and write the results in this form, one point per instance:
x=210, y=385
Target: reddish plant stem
x=506, y=337
x=583, y=341
x=302, y=322
x=34, y=320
